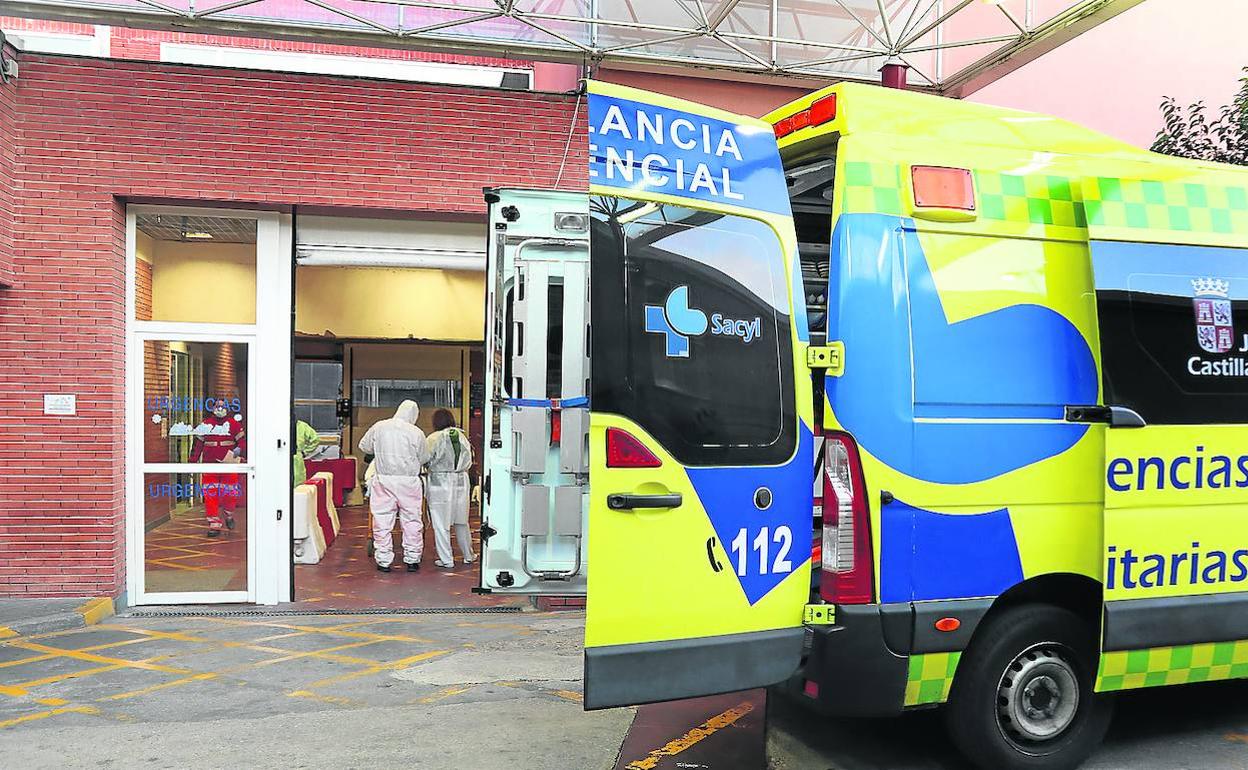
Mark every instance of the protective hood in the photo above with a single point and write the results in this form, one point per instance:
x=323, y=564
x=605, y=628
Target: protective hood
x=407, y=412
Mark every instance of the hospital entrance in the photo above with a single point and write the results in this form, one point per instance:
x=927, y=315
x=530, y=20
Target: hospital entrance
x=386, y=311
x=226, y=384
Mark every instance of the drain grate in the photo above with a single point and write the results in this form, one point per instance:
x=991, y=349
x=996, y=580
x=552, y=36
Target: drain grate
x=253, y=612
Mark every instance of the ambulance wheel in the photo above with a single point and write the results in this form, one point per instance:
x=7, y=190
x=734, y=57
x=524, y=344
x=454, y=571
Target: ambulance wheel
x=1022, y=696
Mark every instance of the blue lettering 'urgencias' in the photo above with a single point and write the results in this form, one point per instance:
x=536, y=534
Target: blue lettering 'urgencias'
x=645, y=147
x=952, y=403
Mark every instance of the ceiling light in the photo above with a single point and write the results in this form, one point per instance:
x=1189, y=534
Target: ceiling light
x=197, y=236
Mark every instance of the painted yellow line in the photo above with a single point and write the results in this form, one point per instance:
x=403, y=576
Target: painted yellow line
x=568, y=695
x=327, y=654
x=449, y=692
x=397, y=665
x=326, y=630
x=63, y=677
x=12, y=692
x=337, y=700
x=691, y=738
x=7, y=633
x=51, y=701
x=162, y=686
x=50, y=713
x=96, y=610
x=93, y=658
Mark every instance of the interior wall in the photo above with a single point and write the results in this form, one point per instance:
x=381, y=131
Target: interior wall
x=203, y=282
x=400, y=361
x=384, y=303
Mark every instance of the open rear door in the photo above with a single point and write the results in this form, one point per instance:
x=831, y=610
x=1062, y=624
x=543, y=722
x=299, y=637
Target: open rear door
x=1172, y=323
x=536, y=467
x=700, y=502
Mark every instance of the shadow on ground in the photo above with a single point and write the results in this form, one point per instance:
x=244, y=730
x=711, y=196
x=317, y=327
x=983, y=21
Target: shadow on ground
x=1193, y=726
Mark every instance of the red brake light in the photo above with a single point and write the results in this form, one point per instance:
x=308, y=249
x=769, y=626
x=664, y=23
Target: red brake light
x=801, y=119
x=624, y=450
x=784, y=127
x=847, y=564
x=943, y=188
x=823, y=110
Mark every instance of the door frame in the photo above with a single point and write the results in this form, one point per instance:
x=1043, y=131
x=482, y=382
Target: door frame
x=268, y=426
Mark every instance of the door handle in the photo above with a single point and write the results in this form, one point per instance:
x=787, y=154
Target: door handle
x=629, y=502
x=1114, y=416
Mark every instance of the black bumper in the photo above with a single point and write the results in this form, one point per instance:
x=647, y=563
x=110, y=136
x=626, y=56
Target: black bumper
x=855, y=671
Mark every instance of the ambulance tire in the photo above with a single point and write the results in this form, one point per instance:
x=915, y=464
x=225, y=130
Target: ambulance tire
x=1002, y=713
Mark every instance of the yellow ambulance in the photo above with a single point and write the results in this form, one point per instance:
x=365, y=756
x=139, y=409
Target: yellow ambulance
x=992, y=364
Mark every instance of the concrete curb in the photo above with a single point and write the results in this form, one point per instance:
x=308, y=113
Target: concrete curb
x=88, y=614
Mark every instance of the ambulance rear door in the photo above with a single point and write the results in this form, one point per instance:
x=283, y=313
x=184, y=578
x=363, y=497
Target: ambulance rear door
x=1172, y=306
x=535, y=465
x=701, y=451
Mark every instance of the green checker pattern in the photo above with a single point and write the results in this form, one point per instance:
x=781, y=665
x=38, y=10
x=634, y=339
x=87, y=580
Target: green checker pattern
x=1157, y=666
x=1036, y=199
x=930, y=676
x=1169, y=206
x=872, y=188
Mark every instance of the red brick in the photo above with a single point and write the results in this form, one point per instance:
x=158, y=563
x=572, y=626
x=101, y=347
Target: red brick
x=78, y=137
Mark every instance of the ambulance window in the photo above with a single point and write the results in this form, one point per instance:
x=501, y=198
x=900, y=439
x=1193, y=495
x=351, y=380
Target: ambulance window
x=1172, y=348
x=692, y=332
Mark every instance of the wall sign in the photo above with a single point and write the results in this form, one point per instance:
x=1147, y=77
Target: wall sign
x=60, y=404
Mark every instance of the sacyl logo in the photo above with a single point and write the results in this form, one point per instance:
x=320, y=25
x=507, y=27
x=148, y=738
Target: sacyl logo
x=677, y=321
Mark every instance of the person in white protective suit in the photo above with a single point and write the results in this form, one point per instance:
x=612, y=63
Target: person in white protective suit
x=398, y=450
x=450, y=457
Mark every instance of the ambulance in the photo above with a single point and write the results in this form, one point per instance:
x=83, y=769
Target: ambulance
x=887, y=400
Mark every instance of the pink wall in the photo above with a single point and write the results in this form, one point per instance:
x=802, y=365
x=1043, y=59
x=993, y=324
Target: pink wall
x=1113, y=77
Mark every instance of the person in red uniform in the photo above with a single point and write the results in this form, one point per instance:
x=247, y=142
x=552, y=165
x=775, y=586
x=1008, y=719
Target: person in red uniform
x=221, y=442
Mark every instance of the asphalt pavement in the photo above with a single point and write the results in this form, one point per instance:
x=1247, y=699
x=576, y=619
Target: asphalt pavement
x=476, y=690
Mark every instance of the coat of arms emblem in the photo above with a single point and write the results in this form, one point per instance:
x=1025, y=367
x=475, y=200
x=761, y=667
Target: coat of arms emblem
x=1214, y=328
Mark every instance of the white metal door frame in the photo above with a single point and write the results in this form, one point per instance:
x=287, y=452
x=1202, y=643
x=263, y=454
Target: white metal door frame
x=268, y=427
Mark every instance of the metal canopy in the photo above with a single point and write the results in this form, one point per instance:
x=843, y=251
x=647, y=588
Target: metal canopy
x=951, y=46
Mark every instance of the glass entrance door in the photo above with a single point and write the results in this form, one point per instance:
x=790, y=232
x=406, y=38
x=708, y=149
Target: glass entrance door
x=197, y=474
x=208, y=464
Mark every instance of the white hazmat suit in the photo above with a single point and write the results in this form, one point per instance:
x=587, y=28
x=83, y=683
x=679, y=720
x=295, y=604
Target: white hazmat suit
x=399, y=450
x=450, y=457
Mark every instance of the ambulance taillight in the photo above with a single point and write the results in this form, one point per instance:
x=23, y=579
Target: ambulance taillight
x=624, y=450
x=846, y=562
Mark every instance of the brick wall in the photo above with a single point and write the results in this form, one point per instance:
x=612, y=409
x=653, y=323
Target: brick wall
x=144, y=44
x=8, y=163
x=95, y=132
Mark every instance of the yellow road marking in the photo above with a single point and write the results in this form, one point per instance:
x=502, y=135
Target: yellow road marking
x=442, y=694
x=12, y=692
x=691, y=738
x=335, y=699
x=397, y=665
x=567, y=695
x=327, y=630
x=163, y=685
x=50, y=713
x=93, y=658
x=62, y=677
x=51, y=701
x=7, y=633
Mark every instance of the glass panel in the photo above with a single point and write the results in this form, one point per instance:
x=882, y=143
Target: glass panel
x=189, y=543
x=317, y=380
x=322, y=417
x=698, y=347
x=194, y=401
x=429, y=394
x=195, y=269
